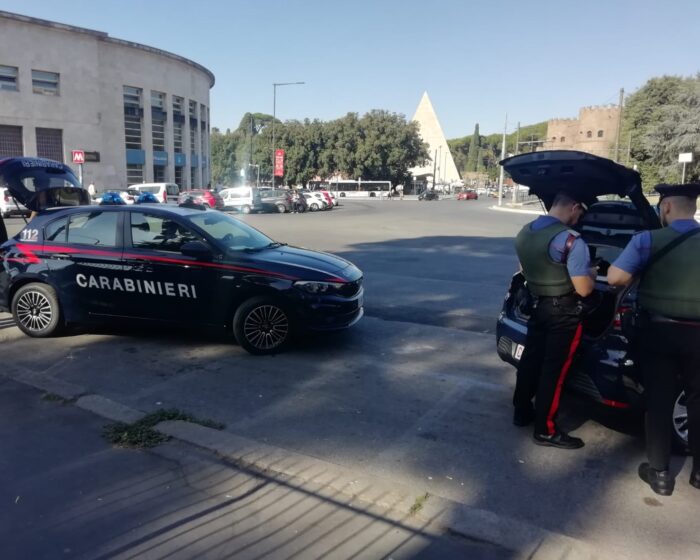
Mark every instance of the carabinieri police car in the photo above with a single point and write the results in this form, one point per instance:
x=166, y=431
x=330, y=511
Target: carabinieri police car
x=74, y=263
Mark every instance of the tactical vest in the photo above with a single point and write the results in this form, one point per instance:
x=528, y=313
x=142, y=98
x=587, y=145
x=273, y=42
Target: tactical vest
x=544, y=276
x=671, y=286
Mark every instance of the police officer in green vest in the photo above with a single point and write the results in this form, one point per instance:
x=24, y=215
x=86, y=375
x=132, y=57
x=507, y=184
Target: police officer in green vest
x=555, y=262
x=667, y=263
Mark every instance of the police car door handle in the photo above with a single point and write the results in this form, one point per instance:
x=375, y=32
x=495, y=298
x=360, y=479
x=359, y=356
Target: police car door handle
x=138, y=265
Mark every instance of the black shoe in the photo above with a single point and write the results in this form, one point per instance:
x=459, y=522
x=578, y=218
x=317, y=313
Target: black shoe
x=523, y=416
x=558, y=439
x=695, y=478
x=660, y=482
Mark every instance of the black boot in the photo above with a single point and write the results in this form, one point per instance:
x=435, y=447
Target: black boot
x=695, y=478
x=558, y=439
x=660, y=482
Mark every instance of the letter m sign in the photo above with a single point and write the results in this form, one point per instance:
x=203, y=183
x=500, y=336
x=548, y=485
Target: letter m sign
x=78, y=156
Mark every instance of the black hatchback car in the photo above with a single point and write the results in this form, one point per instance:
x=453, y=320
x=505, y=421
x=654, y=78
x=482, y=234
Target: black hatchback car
x=158, y=263
x=604, y=368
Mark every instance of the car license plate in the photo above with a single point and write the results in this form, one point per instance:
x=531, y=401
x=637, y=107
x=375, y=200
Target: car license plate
x=518, y=351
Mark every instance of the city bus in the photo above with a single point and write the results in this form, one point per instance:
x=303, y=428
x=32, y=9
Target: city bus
x=353, y=188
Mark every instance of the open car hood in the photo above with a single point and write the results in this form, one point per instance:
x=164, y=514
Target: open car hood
x=41, y=183
x=584, y=175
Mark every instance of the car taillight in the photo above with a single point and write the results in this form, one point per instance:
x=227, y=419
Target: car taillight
x=619, y=314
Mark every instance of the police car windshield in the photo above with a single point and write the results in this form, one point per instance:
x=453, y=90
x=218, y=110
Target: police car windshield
x=231, y=233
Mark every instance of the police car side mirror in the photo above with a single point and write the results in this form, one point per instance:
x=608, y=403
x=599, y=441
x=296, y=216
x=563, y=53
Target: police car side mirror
x=197, y=250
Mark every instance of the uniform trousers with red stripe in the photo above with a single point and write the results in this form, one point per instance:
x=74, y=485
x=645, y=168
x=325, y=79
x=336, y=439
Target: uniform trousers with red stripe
x=669, y=355
x=554, y=333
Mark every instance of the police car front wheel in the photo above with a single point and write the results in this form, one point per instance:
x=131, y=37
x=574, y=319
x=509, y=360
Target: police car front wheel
x=262, y=326
x=36, y=311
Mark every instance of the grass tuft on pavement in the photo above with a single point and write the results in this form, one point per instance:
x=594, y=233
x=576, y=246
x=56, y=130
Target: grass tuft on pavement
x=141, y=434
x=418, y=504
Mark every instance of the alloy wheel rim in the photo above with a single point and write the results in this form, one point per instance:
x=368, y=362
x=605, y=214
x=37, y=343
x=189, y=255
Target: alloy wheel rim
x=680, y=417
x=34, y=311
x=266, y=327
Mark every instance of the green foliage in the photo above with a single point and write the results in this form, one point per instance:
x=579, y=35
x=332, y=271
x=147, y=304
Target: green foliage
x=489, y=152
x=141, y=434
x=378, y=145
x=474, y=148
x=661, y=120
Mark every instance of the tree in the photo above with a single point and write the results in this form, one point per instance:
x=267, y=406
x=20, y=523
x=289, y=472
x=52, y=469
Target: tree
x=661, y=120
x=474, y=145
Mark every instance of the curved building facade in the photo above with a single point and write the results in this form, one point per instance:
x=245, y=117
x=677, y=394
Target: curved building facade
x=140, y=114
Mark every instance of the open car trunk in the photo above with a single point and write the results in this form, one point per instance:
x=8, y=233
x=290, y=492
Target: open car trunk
x=40, y=184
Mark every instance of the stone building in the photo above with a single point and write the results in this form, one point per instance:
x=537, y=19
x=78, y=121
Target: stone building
x=595, y=131
x=141, y=114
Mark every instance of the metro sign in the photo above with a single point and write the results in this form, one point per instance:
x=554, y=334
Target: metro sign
x=279, y=163
x=78, y=156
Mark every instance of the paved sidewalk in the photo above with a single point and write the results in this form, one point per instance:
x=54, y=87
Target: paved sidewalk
x=65, y=493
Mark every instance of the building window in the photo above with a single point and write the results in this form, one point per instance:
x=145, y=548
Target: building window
x=49, y=143
x=45, y=83
x=178, y=123
x=133, y=115
x=134, y=173
x=8, y=78
x=589, y=134
x=600, y=134
x=193, y=178
x=158, y=120
x=178, y=176
x=562, y=139
x=193, y=109
x=11, y=141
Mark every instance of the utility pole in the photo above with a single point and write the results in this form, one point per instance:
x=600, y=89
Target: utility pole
x=629, y=148
x=503, y=156
x=434, y=169
x=619, y=125
x=252, y=125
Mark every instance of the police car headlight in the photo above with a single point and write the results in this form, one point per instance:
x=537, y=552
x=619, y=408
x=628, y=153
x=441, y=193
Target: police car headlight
x=318, y=287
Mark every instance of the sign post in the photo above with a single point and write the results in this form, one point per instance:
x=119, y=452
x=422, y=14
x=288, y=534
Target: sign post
x=79, y=158
x=685, y=158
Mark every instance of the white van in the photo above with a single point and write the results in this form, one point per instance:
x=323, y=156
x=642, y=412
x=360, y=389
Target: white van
x=241, y=199
x=8, y=207
x=164, y=192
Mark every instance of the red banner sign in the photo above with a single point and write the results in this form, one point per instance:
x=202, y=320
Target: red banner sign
x=279, y=163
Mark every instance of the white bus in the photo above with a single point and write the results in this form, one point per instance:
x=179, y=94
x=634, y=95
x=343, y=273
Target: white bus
x=352, y=188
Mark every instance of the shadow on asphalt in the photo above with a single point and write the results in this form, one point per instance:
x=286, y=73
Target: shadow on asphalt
x=366, y=401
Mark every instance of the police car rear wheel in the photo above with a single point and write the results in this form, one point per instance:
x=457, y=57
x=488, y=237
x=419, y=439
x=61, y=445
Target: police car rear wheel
x=680, y=424
x=261, y=326
x=36, y=311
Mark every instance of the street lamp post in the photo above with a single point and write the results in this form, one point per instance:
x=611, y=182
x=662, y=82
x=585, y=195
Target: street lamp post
x=274, y=114
x=257, y=168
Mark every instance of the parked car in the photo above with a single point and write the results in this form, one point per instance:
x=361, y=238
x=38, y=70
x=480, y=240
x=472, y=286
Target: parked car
x=328, y=198
x=605, y=367
x=428, y=195
x=205, y=197
x=276, y=200
x=164, y=192
x=468, y=195
x=8, y=206
x=162, y=264
x=315, y=201
x=241, y=199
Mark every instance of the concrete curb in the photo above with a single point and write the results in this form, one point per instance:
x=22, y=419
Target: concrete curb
x=517, y=210
x=527, y=541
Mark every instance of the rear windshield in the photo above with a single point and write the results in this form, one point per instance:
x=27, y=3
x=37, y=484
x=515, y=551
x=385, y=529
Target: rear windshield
x=154, y=190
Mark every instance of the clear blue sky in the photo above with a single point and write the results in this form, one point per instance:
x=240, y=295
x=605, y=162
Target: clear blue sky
x=477, y=59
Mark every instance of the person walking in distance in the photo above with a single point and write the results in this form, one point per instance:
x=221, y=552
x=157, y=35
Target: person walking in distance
x=668, y=326
x=555, y=262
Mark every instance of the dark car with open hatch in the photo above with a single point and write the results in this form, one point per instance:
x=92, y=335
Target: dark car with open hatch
x=604, y=368
x=74, y=263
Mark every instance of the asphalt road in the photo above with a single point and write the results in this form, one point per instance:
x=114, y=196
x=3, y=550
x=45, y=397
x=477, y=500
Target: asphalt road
x=415, y=392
